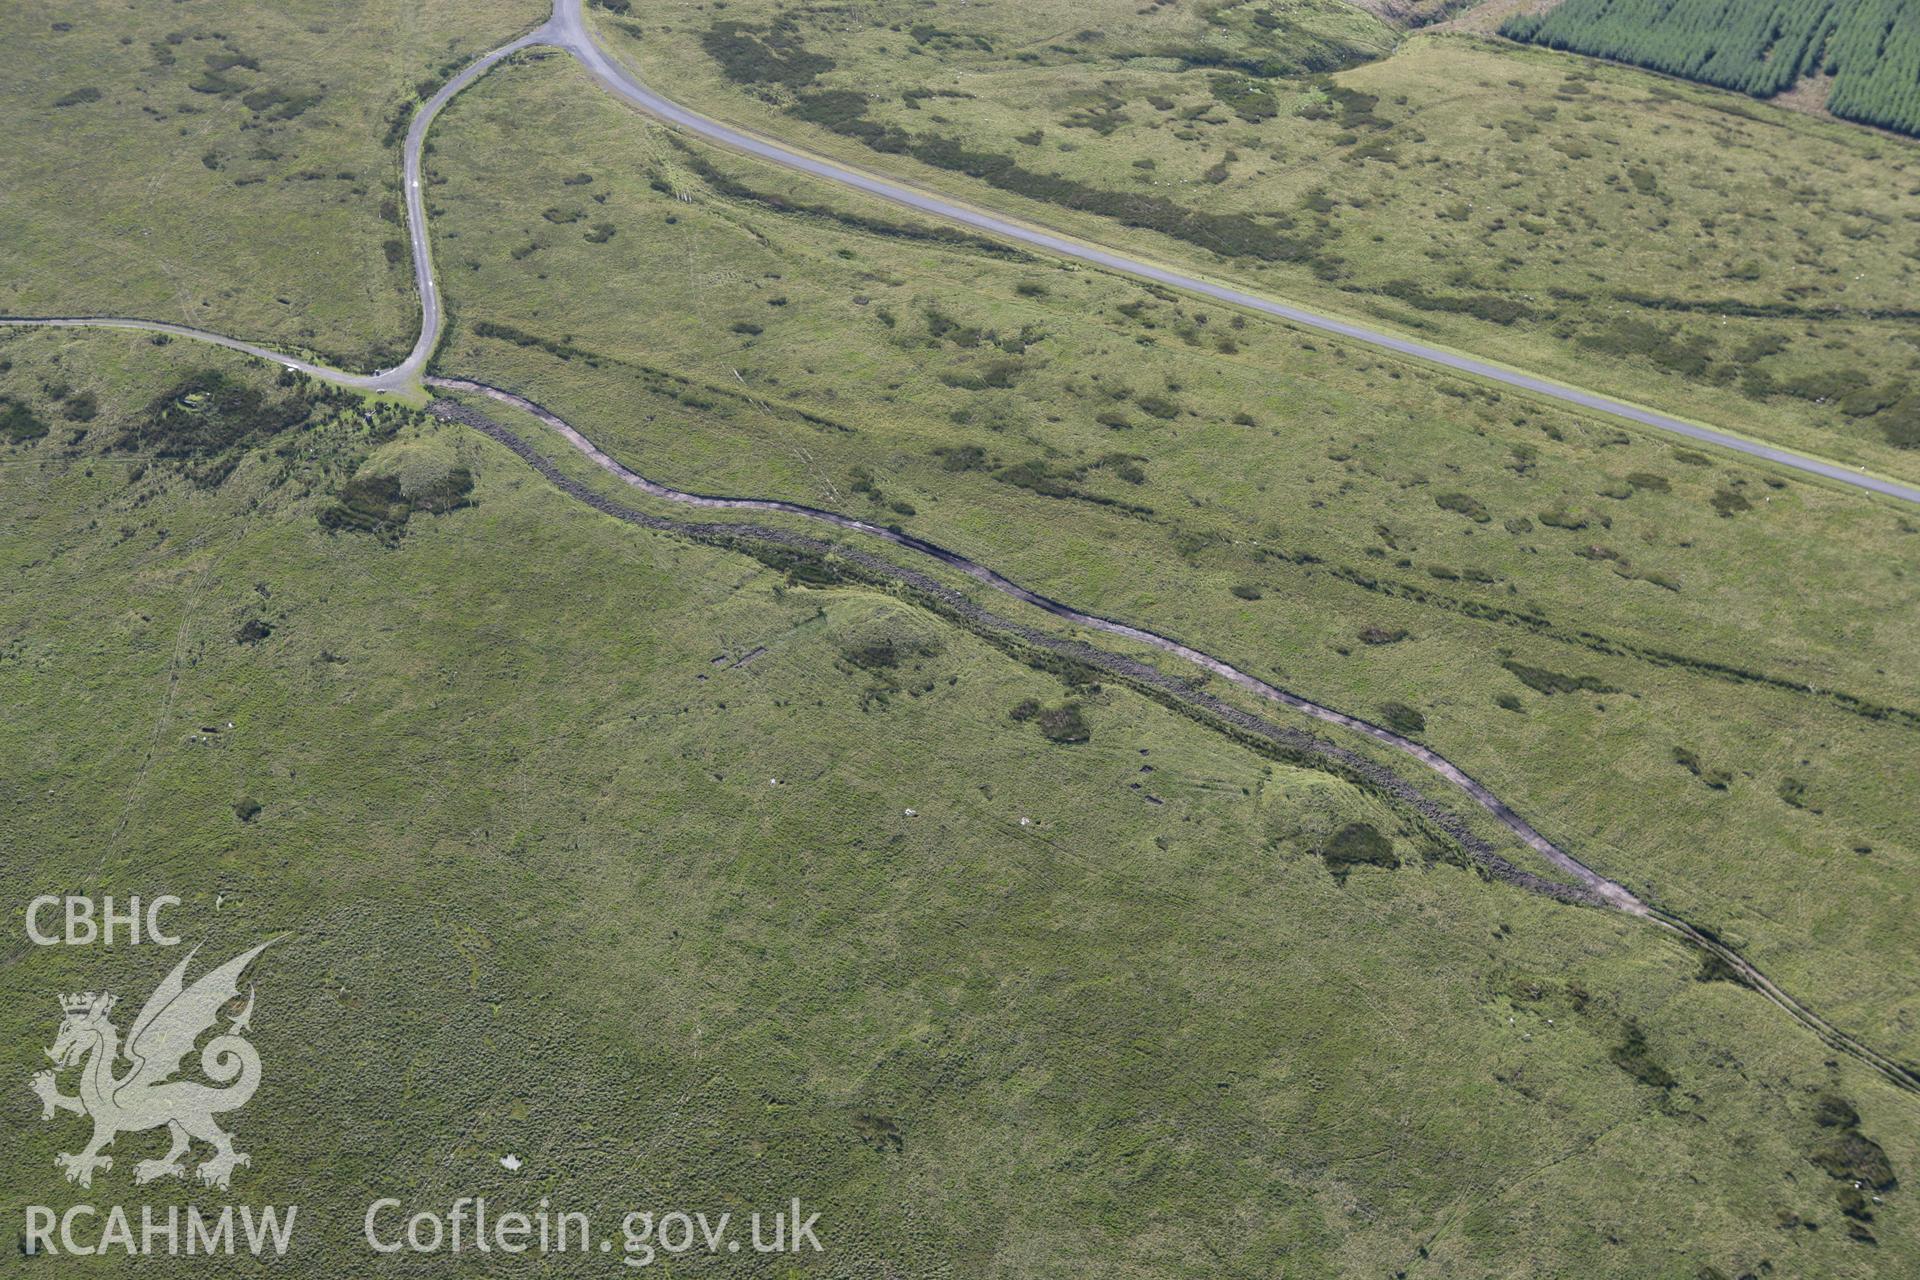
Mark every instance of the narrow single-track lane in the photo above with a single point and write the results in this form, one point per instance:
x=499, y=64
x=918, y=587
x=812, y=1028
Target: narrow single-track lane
x=404, y=376
x=326, y=373
x=567, y=30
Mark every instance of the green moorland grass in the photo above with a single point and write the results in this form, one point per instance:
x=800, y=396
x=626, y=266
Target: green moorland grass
x=1572, y=610
x=1675, y=245
x=507, y=796
x=229, y=166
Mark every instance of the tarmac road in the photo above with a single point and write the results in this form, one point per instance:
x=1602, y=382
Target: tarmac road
x=568, y=29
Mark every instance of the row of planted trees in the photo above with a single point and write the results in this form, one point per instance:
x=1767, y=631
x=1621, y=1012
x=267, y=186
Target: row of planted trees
x=1760, y=47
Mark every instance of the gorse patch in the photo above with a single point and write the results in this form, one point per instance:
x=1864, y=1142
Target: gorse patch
x=1066, y=725
x=1038, y=476
x=1463, y=504
x=1357, y=844
x=381, y=505
x=761, y=55
x=779, y=57
x=18, y=423
x=1402, y=719
x=1635, y=1057
x=208, y=419
x=725, y=184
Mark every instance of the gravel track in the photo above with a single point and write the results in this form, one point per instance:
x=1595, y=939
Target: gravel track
x=567, y=30
x=1589, y=888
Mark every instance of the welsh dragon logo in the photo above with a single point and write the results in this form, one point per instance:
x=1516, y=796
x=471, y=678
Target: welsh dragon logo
x=146, y=1096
